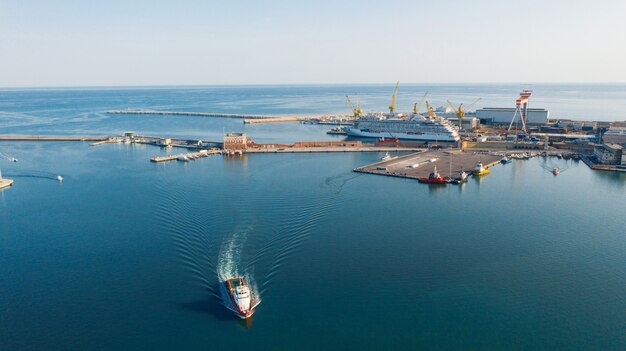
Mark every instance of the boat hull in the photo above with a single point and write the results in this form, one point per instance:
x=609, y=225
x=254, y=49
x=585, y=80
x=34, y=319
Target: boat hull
x=352, y=131
x=432, y=180
x=235, y=307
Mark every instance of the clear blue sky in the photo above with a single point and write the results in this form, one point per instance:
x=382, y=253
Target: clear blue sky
x=152, y=42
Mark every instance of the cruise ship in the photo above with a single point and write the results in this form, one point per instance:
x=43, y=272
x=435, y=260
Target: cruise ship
x=413, y=127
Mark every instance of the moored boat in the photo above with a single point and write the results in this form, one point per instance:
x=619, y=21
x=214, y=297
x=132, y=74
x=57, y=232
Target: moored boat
x=480, y=169
x=337, y=131
x=240, y=297
x=433, y=178
x=462, y=178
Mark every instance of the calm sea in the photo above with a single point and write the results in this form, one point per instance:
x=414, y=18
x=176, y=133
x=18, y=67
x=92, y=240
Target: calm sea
x=127, y=254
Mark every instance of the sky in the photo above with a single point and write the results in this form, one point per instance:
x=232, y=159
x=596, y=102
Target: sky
x=49, y=43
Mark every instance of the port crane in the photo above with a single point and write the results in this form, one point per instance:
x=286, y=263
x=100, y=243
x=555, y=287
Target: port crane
x=394, y=97
x=429, y=110
x=418, y=105
x=356, y=111
x=460, y=111
x=521, y=110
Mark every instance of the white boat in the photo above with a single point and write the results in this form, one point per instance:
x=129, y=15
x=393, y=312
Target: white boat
x=415, y=127
x=241, y=297
x=480, y=169
x=462, y=178
x=386, y=157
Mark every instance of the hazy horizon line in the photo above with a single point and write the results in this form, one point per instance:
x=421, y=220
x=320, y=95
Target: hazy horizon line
x=133, y=86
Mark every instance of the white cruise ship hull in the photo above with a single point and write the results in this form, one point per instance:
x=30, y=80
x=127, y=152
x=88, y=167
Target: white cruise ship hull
x=352, y=131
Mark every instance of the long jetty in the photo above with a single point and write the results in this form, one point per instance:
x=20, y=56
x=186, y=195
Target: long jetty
x=208, y=114
x=53, y=138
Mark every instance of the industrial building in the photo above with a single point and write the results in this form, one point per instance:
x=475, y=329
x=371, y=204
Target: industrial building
x=469, y=123
x=497, y=115
x=609, y=154
x=616, y=134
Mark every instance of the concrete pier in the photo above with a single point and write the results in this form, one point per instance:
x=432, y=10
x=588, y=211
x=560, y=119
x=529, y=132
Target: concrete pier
x=108, y=141
x=420, y=165
x=332, y=149
x=53, y=138
x=186, y=157
x=5, y=183
x=275, y=120
x=209, y=114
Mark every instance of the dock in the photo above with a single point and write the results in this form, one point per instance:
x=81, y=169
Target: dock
x=208, y=114
x=420, y=165
x=275, y=120
x=185, y=157
x=321, y=149
x=53, y=138
x=5, y=183
x=108, y=141
x=336, y=119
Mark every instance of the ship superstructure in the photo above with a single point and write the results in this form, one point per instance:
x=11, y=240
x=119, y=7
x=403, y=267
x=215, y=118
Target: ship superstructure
x=413, y=127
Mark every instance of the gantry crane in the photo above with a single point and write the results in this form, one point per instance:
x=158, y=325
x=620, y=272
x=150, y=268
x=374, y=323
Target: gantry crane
x=521, y=110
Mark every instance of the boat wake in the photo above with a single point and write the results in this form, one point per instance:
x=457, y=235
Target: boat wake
x=229, y=265
x=230, y=254
x=241, y=239
x=33, y=174
x=549, y=166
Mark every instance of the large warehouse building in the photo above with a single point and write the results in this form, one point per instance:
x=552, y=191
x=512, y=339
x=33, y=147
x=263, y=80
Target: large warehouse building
x=494, y=115
x=616, y=134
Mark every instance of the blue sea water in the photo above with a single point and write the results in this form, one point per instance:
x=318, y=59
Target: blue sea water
x=128, y=254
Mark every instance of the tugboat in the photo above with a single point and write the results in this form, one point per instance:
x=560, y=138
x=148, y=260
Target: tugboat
x=480, y=170
x=433, y=178
x=240, y=297
x=556, y=171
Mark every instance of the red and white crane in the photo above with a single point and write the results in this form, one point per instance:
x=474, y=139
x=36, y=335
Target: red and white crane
x=521, y=109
